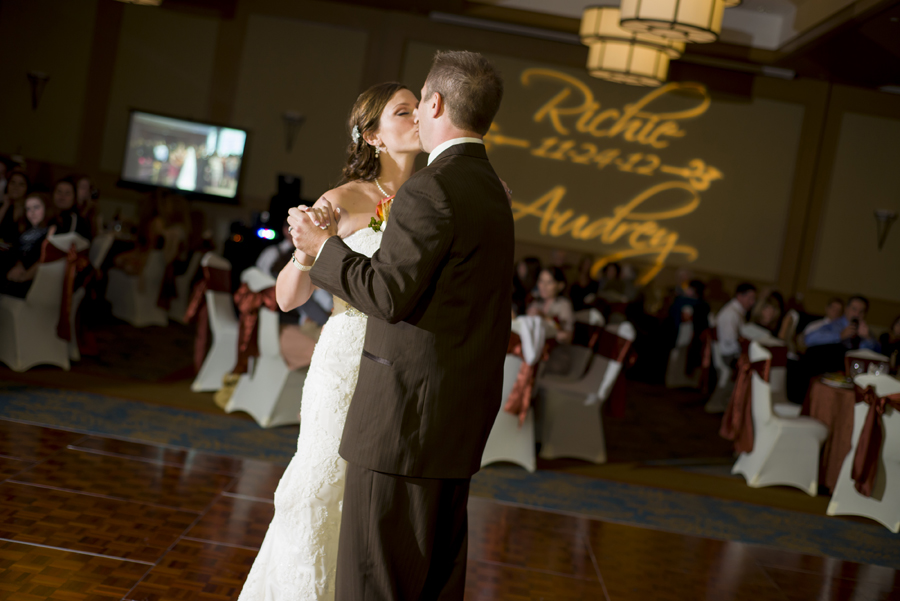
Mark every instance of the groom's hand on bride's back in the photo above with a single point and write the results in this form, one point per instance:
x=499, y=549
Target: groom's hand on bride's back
x=312, y=226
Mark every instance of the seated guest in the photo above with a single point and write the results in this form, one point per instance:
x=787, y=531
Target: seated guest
x=730, y=320
x=554, y=308
x=767, y=312
x=890, y=343
x=833, y=311
x=86, y=200
x=12, y=206
x=67, y=218
x=583, y=292
x=27, y=253
x=849, y=330
x=611, y=280
x=524, y=283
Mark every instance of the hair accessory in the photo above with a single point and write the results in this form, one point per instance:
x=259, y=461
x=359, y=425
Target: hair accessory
x=354, y=135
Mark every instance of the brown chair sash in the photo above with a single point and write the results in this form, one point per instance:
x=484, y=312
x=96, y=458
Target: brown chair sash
x=519, y=400
x=616, y=348
x=214, y=280
x=868, y=448
x=75, y=263
x=737, y=423
x=248, y=304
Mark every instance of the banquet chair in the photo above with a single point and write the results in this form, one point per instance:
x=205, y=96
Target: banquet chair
x=724, y=383
x=100, y=247
x=884, y=504
x=590, y=316
x=572, y=425
x=508, y=441
x=778, y=382
x=179, y=304
x=785, y=450
x=223, y=326
x=269, y=391
x=28, y=325
x=133, y=297
x=675, y=376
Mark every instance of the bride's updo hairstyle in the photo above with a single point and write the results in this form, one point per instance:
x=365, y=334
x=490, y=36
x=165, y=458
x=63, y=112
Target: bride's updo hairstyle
x=365, y=116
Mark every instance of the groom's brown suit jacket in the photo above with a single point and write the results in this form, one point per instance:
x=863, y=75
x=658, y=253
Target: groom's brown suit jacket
x=438, y=296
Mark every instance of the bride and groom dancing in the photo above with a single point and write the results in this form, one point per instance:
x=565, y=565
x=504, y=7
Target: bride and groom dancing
x=373, y=504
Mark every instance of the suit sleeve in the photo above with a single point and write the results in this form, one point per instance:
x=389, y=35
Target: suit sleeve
x=387, y=286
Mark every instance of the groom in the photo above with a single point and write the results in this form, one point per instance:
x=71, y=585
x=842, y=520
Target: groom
x=438, y=296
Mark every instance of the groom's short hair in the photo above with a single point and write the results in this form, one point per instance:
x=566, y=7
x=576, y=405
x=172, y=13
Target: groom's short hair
x=469, y=85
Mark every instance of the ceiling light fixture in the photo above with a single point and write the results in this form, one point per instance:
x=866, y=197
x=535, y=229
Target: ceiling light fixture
x=622, y=56
x=697, y=21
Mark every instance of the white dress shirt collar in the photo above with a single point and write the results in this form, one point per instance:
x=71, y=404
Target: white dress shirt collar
x=442, y=147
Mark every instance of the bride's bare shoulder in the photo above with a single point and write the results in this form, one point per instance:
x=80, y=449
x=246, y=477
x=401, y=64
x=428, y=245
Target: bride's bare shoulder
x=345, y=195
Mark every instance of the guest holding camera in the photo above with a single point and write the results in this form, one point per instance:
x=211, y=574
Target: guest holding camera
x=850, y=330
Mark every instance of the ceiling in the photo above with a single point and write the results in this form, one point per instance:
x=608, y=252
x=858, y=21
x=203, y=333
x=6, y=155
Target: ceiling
x=853, y=42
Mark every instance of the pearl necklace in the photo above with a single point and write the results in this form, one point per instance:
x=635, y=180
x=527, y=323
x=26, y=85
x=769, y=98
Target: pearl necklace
x=380, y=189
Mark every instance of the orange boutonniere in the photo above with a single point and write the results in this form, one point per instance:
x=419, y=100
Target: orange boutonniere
x=382, y=211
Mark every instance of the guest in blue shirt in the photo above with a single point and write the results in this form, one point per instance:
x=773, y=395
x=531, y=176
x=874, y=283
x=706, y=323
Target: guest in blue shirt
x=851, y=329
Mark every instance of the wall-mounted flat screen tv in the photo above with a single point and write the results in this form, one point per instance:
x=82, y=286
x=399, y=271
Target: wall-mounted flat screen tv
x=189, y=156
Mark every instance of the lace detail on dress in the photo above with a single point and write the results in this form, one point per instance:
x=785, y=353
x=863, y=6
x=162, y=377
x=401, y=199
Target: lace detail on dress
x=298, y=558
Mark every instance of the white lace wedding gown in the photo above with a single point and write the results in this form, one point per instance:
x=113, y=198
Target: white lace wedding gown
x=298, y=557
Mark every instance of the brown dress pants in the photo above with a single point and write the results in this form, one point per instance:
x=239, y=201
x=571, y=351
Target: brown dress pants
x=402, y=538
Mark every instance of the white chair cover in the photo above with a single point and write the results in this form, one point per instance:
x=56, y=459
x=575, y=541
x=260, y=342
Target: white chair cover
x=100, y=247
x=675, y=376
x=134, y=297
x=785, y=450
x=269, y=391
x=572, y=424
x=508, y=441
x=884, y=504
x=532, y=332
x=28, y=325
x=179, y=304
x=590, y=316
x=223, y=327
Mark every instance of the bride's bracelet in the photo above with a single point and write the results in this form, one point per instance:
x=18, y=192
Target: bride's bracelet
x=298, y=264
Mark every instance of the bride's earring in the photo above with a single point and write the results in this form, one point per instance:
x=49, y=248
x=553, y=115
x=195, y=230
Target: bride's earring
x=376, y=152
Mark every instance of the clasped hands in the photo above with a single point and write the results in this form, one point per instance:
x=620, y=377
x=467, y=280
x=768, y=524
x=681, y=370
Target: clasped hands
x=853, y=330
x=310, y=227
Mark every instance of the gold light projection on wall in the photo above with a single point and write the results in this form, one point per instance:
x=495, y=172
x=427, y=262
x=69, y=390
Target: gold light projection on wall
x=623, y=56
x=698, y=21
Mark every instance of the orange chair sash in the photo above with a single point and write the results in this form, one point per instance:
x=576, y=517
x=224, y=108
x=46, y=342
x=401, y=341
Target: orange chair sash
x=737, y=423
x=249, y=304
x=215, y=280
x=519, y=400
x=75, y=263
x=616, y=348
x=868, y=448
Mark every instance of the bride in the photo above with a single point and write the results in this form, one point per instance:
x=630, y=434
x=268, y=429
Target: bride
x=298, y=557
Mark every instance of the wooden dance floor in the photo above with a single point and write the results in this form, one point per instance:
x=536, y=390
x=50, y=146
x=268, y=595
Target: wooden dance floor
x=92, y=518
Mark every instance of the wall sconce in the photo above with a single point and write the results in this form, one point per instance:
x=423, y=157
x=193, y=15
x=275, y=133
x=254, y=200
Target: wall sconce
x=883, y=221
x=37, y=80
x=292, y=123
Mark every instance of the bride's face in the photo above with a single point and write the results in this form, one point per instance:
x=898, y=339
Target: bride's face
x=398, y=130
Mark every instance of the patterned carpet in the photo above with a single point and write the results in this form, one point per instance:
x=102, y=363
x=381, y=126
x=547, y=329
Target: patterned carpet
x=619, y=502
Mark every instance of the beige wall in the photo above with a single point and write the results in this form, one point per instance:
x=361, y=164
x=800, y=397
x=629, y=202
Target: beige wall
x=865, y=177
x=292, y=65
x=163, y=64
x=55, y=38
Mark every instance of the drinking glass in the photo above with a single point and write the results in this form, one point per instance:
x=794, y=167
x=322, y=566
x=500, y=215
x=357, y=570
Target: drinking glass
x=878, y=368
x=856, y=368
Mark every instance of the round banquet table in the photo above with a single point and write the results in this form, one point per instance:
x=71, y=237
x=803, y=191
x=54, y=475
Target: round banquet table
x=834, y=408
